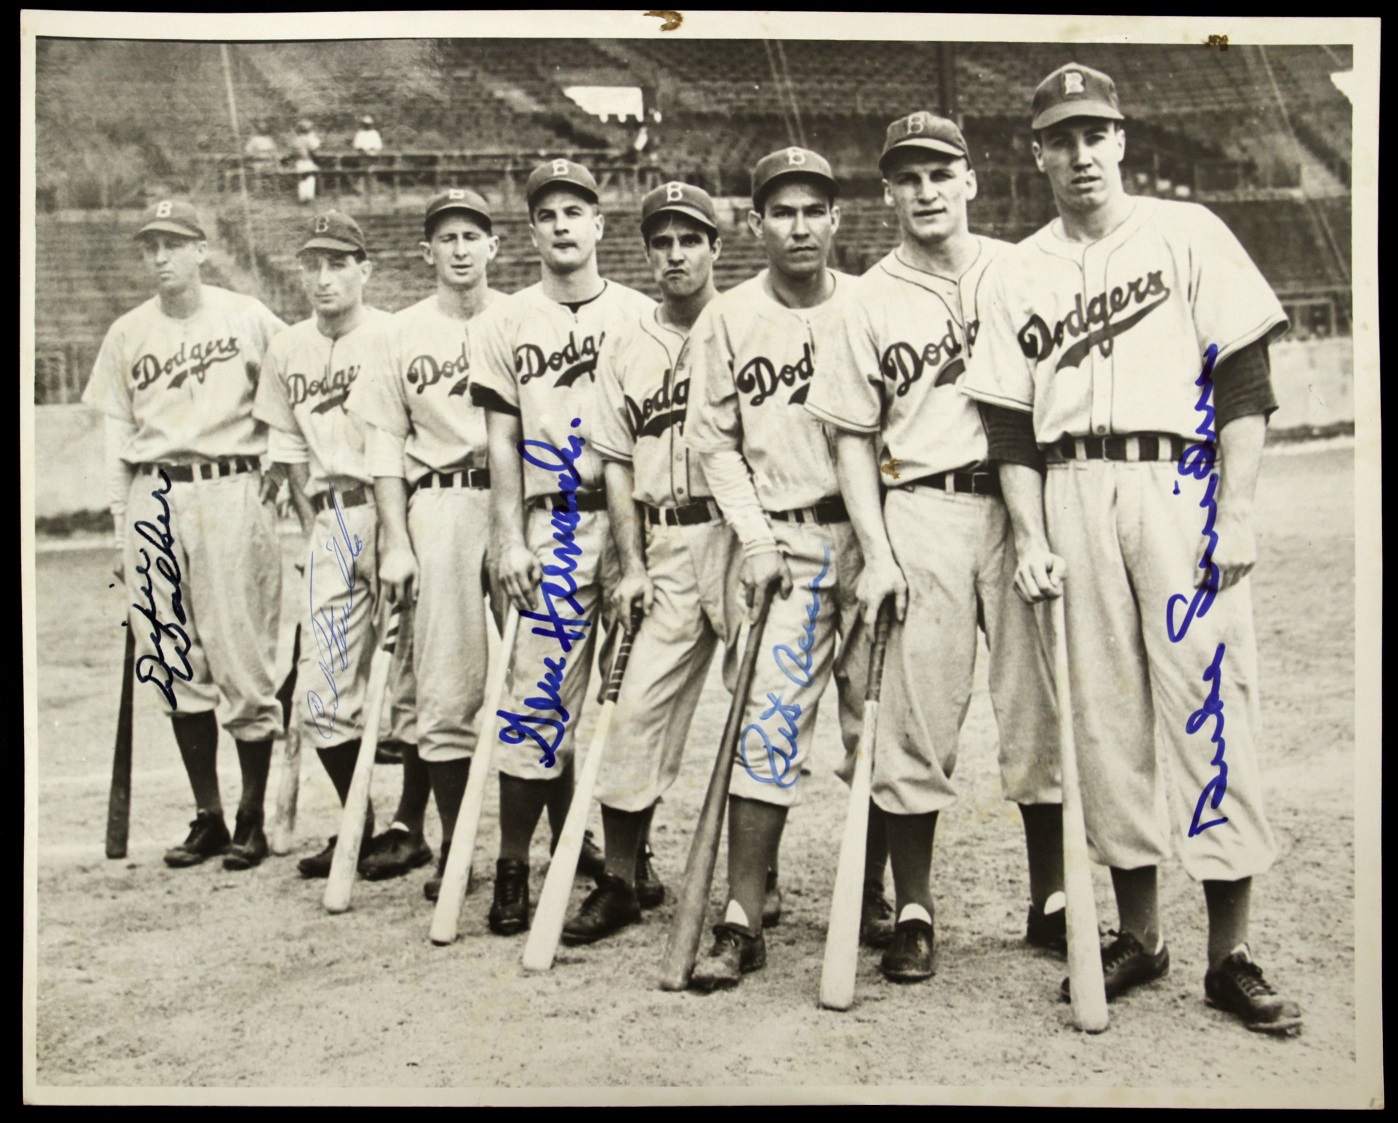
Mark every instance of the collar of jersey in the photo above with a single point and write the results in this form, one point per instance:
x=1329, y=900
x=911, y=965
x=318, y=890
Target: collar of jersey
x=1052, y=244
x=761, y=282
x=660, y=331
x=895, y=266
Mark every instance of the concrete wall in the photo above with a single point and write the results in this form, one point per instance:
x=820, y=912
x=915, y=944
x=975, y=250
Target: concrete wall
x=1314, y=382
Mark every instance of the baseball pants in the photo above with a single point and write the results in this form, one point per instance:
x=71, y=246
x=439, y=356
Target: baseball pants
x=801, y=651
x=957, y=554
x=216, y=623
x=548, y=684
x=1139, y=699
x=695, y=573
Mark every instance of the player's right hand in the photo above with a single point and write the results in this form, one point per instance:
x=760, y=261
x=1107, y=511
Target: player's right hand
x=1040, y=575
x=634, y=588
x=878, y=581
x=519, y=574
x=758, y=572
x=398, y=575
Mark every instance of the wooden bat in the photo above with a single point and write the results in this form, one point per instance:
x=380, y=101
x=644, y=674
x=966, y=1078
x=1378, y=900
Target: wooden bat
x=446, y=918
x=693, y=901
x=284, y=821
x=119, y=801
x=1085, y=983
x=842, y=935
x=343, y=866
x=547, y=925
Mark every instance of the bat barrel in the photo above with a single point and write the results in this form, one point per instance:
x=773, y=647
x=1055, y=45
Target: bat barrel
x=119, y=798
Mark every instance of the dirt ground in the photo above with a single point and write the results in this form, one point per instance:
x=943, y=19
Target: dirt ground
x=151, y=978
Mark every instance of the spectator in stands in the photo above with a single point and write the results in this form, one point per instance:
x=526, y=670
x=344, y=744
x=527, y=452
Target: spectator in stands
x=367, y=140
x=261, y=150
x=305, y=145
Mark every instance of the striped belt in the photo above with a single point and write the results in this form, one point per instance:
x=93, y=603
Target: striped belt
x=829, y=510
x=208, y=470
x=967, y=483
x=691, y=514
x=470, y=477
x=582, y=501
x=354, y=497
x=1128, y=446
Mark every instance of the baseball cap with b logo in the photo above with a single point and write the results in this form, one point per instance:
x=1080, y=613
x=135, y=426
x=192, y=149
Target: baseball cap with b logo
x=336, y=232
x=679, y=198
x=787, y=162
x=457, y=199
x=1074, y=91
x=172, y=216
x=926, y=131
x=551, y=173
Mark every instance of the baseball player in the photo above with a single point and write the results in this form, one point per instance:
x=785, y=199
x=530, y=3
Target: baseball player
x=533, y=364
x=680, y=573
x=770, y=467
x=940, y=543
x=1125, y=344
x=309, y=371
x=427, y=451
x=197, y=546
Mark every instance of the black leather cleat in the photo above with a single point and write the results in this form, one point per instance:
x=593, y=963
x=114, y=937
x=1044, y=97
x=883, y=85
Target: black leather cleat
x=1047, y=929
x=1126, y=964
x=650, y=891
x=735, y=952
x=609, y=908
x=208, y=836
x=249, y=844
x=394, y=853
x=908, y=957
x=876, y=919
x=1237, y=986
x=509, y=912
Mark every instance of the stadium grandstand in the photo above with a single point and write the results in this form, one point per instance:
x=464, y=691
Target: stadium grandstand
x=1260, y=134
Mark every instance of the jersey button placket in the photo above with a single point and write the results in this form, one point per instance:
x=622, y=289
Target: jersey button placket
x=1094, y=280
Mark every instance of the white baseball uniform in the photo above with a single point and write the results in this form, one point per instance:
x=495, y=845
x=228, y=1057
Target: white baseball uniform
x=202, y=560
x=750, y=361
x=307, y=378
x=536, y=357
x=693, y=565
x=414, y=391
x=1105, y=344
x=891, y=368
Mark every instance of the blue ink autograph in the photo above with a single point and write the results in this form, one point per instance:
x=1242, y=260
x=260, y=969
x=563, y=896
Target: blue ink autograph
x=559, y=589
x=1199, y=462
x=332, y=633
x=796, y=666
x=157, y=668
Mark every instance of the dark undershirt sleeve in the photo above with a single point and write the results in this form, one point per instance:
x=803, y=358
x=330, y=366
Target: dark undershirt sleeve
x=1243, y=385
x=488, y=399
x=1010, y=434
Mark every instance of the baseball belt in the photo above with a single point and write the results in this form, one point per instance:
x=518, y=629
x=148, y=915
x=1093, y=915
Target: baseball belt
x=470, y=477
x=188, y=473
x=354, y=497
x=828, y=510
x=966, y=483
x=690, y=514
x=582, y=501
x=1128, y=446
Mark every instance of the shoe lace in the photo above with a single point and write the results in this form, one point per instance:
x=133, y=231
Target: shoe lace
x=592, y=903
x=1249, y=978
x=510, y=890
x=1122, y=948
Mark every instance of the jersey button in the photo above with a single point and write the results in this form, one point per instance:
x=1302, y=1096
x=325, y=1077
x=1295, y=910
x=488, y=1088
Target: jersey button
x=1101, y=429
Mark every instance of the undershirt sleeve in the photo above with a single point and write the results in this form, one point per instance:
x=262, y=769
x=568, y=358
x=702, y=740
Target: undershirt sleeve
x=1010, y=436
x=1243, y=385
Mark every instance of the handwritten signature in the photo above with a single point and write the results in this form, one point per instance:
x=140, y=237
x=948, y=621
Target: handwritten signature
x=795, y=664
x=157, y=668
x=1200, y=462
x=559, y=589
x=332, y=632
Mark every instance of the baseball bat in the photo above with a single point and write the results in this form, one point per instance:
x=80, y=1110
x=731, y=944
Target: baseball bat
x=119, y=800
x=340, y=885
x=842, y=935
x=547, y=925
x=447, y=916
x=284, y=822
x=693, y=901
x=1086, y=986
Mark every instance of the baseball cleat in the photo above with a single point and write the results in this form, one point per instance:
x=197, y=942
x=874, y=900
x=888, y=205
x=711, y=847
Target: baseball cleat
x=908, y=957
x=208, y=836
x=249, y=845
x=1237, y=986
x=394, y=853
x=650, y=891
x=590, y=861
x=1126, y=964
x=432, y=887
x=318, y=865
x=609, y=908
x=876, y=919
x=509, y=912
x=772, y=902
x=735, y=952
x=1047, y=929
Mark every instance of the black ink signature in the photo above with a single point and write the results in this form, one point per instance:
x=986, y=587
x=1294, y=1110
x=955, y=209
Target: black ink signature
x=157, y=668
x=332, y=634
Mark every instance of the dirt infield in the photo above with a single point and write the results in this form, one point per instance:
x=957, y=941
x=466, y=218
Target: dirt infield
x=151, y=978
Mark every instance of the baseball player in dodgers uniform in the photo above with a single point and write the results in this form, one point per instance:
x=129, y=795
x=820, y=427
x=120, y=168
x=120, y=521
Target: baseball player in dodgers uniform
x=426, y=444
x=197, y=545
x=683, y=571
x=770, y=466
x=308, y=373
x=887, y=379
x=533, y=365
x=1126, y=345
